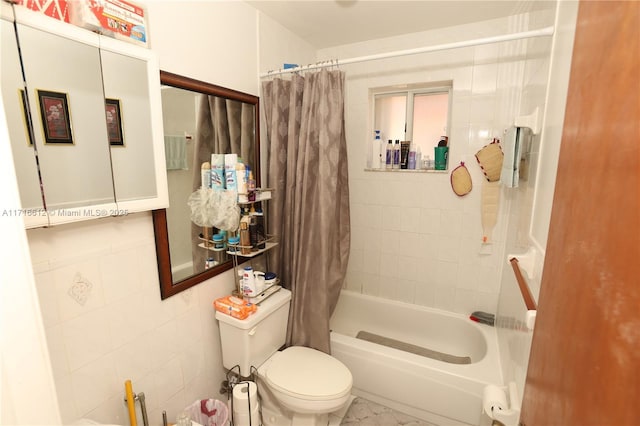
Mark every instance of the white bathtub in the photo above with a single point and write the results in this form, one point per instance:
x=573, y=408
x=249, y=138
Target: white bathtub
x=435, y=391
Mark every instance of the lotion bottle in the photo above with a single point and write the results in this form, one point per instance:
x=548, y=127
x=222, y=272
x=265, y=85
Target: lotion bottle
x=248, y=282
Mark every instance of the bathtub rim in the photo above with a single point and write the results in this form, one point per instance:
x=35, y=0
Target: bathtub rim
x=475, y=372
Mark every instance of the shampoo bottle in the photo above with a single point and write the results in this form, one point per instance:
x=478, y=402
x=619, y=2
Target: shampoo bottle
x=396, y=155
x=389, y=156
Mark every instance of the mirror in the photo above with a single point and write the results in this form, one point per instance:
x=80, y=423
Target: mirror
x=15, y=109
x=197, y=117
x=129, y=125
x=68, y=117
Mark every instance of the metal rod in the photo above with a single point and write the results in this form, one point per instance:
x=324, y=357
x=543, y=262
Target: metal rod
x=542, y=32
x=143, y=408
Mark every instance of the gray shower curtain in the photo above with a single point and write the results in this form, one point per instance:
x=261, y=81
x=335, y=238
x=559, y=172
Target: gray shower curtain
x=223, y=126
x=307, y=167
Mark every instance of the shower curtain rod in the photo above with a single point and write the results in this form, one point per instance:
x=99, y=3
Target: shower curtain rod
x=542, y=32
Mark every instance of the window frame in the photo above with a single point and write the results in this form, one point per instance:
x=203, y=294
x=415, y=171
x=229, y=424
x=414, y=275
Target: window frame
x=411, y=91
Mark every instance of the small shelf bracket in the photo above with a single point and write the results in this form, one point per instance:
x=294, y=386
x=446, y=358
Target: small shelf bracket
x=532, y=121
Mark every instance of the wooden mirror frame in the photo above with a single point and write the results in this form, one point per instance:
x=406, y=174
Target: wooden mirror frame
x=167, y=286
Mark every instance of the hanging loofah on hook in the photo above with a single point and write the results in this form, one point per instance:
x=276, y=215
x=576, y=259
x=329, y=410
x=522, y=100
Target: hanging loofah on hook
x=215, y=208
x=490, y=159
x=461, y=180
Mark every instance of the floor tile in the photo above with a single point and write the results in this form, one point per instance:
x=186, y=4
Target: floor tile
x=363, y=412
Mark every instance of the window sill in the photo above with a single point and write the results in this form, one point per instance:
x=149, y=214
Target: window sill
x=406, y=170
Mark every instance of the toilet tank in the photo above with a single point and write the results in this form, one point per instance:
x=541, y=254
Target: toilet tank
x=251, y=341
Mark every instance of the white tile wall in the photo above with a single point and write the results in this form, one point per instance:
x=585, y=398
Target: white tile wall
x=413, y=239
x=119, y=328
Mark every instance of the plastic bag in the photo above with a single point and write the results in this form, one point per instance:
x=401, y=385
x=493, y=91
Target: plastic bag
x=215, y=208
x=208, y=412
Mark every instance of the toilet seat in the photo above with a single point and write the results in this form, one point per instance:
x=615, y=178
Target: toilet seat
x=307, y=374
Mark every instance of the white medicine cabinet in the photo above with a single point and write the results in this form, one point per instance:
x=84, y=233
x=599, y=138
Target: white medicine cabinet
x=85, y=121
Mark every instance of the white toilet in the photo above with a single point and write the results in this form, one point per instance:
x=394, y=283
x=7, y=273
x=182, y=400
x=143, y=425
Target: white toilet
x=297, y=386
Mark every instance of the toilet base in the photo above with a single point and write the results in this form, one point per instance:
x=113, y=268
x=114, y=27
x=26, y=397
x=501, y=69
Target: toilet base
x=310, y=419
x=275, y=417
x=274, y=414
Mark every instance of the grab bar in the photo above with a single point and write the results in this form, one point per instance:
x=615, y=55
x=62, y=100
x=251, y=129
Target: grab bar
x=529, y=301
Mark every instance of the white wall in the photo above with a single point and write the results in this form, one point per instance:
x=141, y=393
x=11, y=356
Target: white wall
x=26, y=382
x=546, y=83
x=115, y=327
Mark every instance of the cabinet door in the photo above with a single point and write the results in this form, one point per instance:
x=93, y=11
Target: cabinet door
x=14, y=99
x=126, y=89
x=64, y=78
x=131, y=80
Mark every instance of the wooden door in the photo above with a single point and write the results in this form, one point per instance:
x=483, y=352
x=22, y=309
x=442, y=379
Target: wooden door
x=584, y=367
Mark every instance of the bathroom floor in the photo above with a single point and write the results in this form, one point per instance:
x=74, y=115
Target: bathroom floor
x=362, y=412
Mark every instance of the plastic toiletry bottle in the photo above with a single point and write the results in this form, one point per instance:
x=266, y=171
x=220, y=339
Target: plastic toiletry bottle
x=253, y=233
x=389, y=155
x=217, y=171
x=233, y=242
x=205, y=175
x=377, y=151
x=241, y=177
x=412, y=160
x=259, y=281
x=405, y=146
x=230, y=161
x=248, y=282
x=218, y=241
x=418, y=158
x=259, y=215
x=396, y=155
x=251, y=182
x=245, y=241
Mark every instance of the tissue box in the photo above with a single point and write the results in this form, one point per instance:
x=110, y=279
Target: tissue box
x=121, y=19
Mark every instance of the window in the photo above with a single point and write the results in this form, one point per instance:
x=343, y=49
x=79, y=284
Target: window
x=418, y=113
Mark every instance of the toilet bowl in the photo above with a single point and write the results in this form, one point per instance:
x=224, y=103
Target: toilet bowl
x=307, y=381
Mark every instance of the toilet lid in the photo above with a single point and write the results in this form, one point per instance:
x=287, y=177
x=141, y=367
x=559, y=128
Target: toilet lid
x=309, y=374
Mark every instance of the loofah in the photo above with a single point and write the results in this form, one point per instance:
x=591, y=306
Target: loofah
x=490, y=159
x=461, y=180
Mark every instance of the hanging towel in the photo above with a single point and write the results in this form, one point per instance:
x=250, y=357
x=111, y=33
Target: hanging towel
x=490, y=201
x=175, y=151
x=512, y=147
